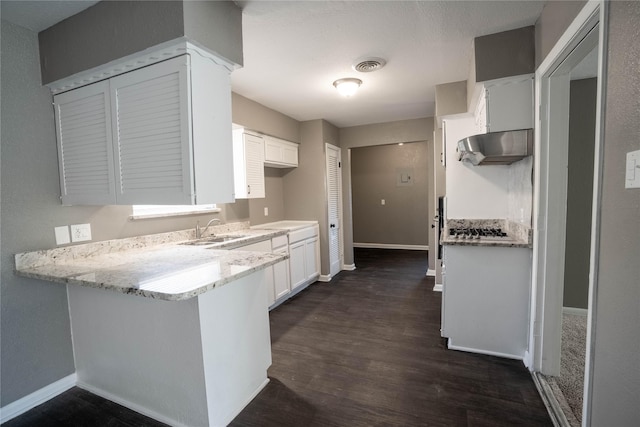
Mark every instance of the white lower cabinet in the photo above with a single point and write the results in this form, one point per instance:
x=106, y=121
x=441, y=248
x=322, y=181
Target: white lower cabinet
x=281, y=283
x=304, y=256
x=298, y=264
x=277, y=276
x=312, y=258
x=281, y=277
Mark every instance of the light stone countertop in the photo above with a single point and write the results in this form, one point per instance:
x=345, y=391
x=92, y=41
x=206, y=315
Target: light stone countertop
x=155, y=266
x=518, y=235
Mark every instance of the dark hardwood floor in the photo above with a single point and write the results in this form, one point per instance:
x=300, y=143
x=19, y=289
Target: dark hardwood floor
x=362, y=350
x=365, y=350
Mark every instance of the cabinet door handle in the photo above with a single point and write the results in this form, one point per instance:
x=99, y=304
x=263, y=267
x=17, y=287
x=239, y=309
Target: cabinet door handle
x=248, y=189
x=332, y=226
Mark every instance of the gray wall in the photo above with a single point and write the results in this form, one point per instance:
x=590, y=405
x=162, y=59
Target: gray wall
x=616, y=376
x=404, y=217
x=615, y=373
x=582, y=121
x=273, y=200
x=305, y=196
x=556, y=16
x=451, y=98
x=255, y=116
x=369, y=135
x=509, y=53
x=111, y=30
x=36, y=343
x=216, y=25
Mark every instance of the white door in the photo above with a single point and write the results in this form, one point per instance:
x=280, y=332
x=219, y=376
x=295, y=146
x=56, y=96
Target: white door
x=334, y=191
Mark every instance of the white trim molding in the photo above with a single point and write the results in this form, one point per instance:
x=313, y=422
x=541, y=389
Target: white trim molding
x=151, y=55
x=349, y=267
x=575, y=311
x=431, y=273
x=134, y=407
x=325, y=278
x=36, y=398
x=391, y=246
x=437, y=287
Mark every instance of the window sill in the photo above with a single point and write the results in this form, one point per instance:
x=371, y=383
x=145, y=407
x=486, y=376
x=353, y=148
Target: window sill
x=174, y=214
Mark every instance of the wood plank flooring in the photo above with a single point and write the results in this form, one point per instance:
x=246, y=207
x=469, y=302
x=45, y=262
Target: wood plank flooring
x=365, y=350
x=362, y=350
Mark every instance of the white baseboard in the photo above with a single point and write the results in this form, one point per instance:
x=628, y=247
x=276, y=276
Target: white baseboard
x=528, y=360
x=133, y=406
x=451, y=346
x=36, y=398
x=391, y=246
x=324, y=278
x=431, y=273
x=349, y=267
x=575, y=311
x=437, y=287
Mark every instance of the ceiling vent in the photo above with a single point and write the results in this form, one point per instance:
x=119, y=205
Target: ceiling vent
x=367, y=65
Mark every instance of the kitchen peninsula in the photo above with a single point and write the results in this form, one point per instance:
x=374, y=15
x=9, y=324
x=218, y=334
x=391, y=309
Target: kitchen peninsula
x=178, y=332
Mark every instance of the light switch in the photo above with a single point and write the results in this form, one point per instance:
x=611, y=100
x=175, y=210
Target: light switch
x=382, y=202
x=62, y=235
x=266, y=211
x=632, y=173
x=80, y=232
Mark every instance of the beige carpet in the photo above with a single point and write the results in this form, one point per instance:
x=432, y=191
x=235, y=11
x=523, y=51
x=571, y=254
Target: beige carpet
x=569, y=386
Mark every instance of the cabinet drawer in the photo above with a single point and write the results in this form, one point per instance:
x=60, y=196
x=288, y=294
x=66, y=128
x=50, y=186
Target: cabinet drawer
x=279, y=241
x=302, y=234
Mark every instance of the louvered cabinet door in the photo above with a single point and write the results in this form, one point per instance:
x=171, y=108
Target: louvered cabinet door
x=254, y=157
x=248, y=165
x=152, y=134
x=85, y=156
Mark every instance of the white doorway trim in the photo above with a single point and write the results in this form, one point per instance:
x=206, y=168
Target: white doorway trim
x=550, y=194
x=337, y=222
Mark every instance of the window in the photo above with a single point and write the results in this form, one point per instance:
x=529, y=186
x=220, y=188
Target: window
x=158, y=211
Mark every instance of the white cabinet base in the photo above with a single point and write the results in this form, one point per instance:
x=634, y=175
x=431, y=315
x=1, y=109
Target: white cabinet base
x=193, y=362
x=485, y=301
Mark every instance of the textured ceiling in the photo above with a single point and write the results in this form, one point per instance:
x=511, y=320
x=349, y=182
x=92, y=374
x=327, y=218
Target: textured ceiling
x=294, y=50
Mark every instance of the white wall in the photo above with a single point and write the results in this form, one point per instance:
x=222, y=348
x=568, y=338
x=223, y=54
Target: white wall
x=487, y=191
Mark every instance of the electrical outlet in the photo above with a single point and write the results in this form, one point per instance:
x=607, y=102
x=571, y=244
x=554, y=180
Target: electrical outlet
x=266, y=211
x=80, y=232
x=62, y=235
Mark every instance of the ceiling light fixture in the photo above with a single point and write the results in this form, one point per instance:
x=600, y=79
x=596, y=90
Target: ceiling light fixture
x=347, y=87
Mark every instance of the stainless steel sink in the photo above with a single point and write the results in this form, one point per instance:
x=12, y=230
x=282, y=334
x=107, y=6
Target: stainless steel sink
x=215, y=239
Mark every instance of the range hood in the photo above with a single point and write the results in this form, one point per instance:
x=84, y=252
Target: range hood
x=496, y=148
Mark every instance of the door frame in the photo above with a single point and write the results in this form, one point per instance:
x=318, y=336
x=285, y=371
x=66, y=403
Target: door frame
x=328, y=147
x=550, y=196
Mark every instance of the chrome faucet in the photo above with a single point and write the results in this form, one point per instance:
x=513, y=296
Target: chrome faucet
x=201, y=231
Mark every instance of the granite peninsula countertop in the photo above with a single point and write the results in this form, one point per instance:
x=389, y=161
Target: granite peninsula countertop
x=518, y=235
x=156, y=266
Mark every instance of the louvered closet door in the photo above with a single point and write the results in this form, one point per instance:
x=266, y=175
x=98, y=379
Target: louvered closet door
x=151, y=110
x=333, y=205
x=83, y=125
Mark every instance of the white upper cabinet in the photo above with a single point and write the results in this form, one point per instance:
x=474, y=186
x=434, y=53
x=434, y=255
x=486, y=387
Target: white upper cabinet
x=279, y=153
x=248, y=164
x=85, y=153
x=155, y=135
x=505, y=104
